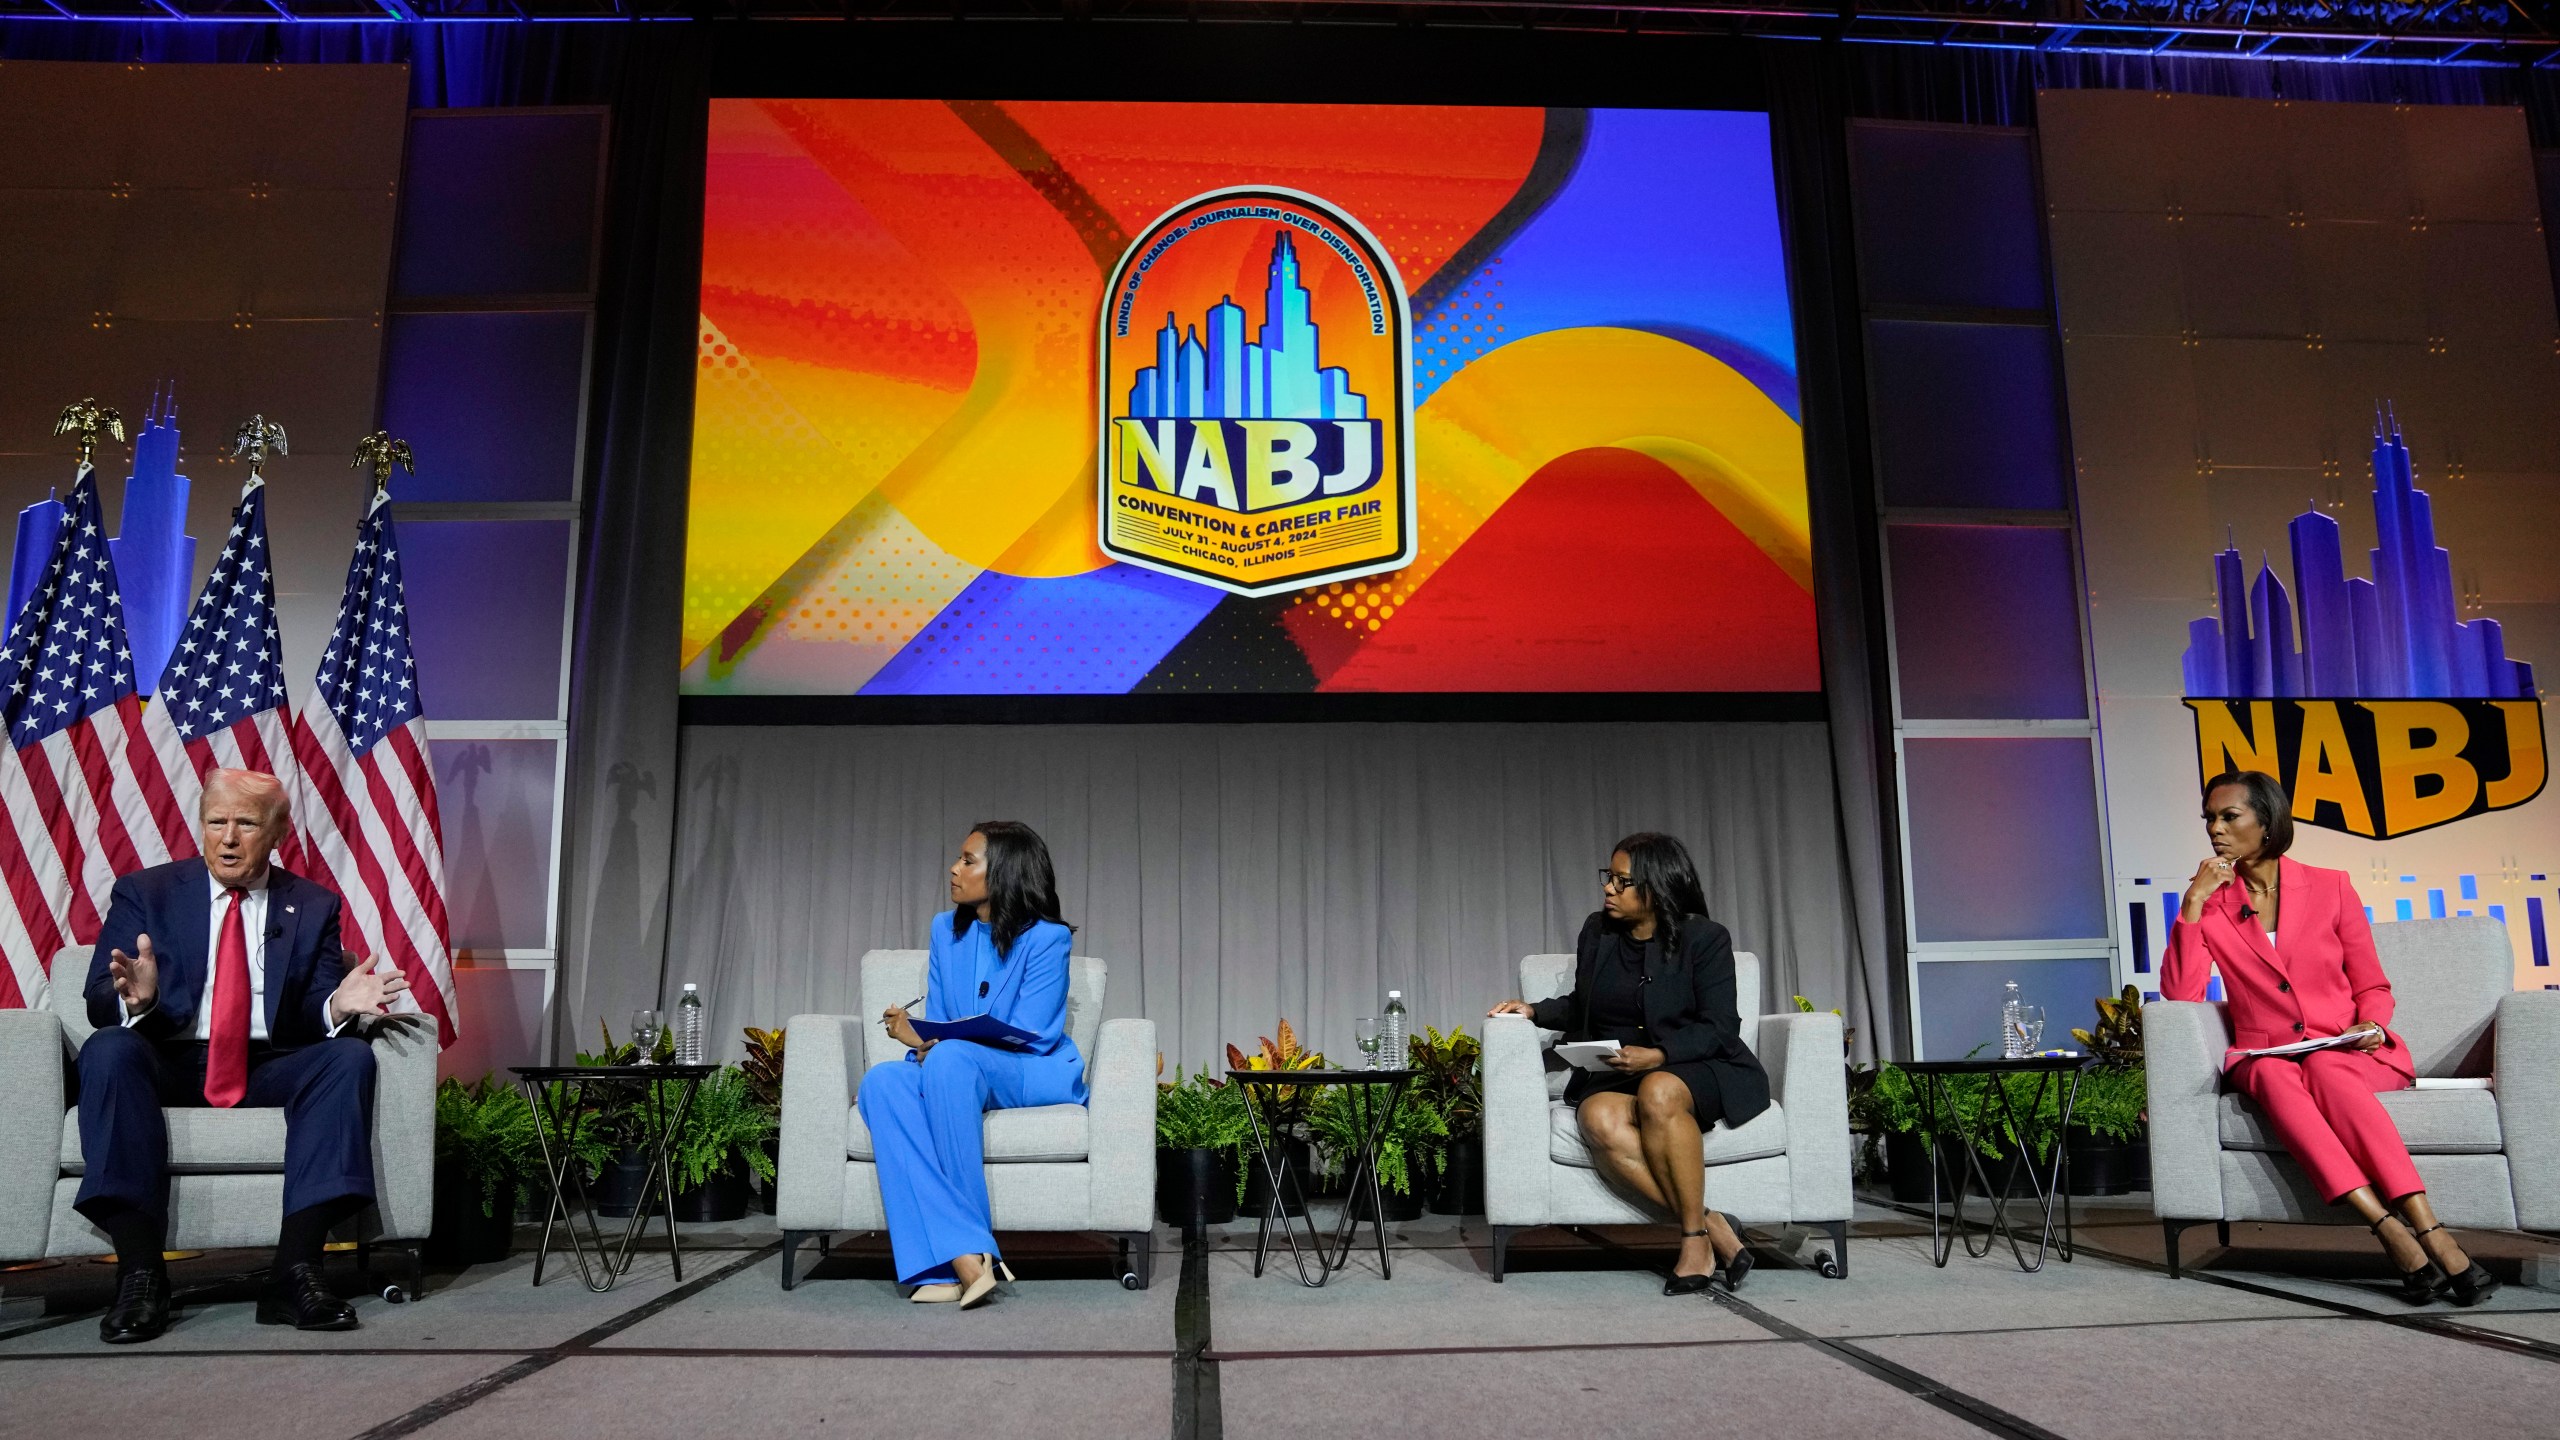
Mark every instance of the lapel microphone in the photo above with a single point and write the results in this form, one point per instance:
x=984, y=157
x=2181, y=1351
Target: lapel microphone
x=2246, y=913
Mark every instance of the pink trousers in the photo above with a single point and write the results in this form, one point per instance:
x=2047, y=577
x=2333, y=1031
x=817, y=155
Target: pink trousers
x=2327, y=1109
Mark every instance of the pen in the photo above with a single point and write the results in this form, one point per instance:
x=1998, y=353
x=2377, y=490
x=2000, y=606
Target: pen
x=910, y=1005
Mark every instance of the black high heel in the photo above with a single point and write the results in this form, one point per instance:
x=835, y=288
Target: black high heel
x=2422, y=1285
x=1691, y=1284
x=2468, y=1288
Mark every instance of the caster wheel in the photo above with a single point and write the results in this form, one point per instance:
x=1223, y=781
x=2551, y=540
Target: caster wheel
x=1129, y=1280
x=1825, y=1266
x=396, y=1294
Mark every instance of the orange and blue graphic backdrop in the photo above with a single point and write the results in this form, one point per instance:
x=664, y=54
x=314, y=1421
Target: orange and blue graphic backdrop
x=894, y=432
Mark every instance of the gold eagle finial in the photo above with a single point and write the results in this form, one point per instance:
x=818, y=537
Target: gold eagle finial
x=256, y=436
x=382, y=452
x=85, y=417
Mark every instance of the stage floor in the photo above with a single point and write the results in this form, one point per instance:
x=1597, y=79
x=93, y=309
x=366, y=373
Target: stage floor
x=2290, y=1331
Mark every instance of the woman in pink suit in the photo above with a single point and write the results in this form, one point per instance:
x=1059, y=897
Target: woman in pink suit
x=2297, y=963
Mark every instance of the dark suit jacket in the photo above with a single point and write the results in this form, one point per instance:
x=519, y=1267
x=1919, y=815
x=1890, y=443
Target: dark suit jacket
x=173, y=905
x=1689, y=1005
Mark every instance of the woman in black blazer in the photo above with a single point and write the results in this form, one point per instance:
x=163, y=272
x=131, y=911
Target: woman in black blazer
x=1652, y=972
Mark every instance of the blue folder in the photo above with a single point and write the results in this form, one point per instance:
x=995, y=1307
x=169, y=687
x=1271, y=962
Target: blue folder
x=985, y=1029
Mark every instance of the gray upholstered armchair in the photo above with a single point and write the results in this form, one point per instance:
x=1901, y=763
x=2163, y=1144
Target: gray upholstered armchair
x=1049, y=1167
x=226, y=1184
x=1789, y=1165
x=2490, y=1155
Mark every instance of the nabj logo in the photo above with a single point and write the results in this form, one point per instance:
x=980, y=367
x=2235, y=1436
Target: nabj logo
x=1262, y=443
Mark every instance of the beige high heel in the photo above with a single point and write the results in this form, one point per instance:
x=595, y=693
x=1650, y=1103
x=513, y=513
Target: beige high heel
x=935, y=1294
x=983, y=1289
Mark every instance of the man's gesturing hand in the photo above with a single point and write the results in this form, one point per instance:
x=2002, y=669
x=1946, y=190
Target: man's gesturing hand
x=137, y=977
x=364, y=992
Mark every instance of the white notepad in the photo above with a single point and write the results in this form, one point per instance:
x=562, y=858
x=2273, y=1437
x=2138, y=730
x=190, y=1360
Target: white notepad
x=1587, y=1054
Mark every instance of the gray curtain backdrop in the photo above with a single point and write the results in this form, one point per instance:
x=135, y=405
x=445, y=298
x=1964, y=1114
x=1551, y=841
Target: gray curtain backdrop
x=1237, y=874
x=623, y=737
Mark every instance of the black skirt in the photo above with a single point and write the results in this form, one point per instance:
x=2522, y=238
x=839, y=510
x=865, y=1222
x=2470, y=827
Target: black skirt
x=1705, y=1095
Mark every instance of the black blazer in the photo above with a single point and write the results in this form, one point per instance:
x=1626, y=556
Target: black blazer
x=1689, y=1005
x=173, y=905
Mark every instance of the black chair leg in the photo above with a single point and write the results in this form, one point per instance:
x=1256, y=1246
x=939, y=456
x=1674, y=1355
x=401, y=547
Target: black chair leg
x=2222, y=1233
x=1839, y=1248
x=2170, y=1230
x=791, y=1242
x=1137, y=1260
x=1501, y=1249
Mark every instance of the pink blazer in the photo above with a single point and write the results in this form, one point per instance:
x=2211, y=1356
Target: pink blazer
x=2319, y=977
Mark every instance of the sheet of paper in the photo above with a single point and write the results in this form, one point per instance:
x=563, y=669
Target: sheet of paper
x=2305, y=1047
x=1587, y=1054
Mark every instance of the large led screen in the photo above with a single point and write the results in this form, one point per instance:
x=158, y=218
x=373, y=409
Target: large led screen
x=1161, y=399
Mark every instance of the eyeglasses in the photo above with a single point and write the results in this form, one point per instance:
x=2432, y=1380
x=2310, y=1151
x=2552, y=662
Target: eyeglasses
x=1612, y=880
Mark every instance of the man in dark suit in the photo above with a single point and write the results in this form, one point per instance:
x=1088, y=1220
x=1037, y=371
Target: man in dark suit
x=219, y=982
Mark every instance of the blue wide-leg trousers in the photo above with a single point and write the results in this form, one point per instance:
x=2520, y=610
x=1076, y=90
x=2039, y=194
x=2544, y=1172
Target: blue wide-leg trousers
x=927, y=1121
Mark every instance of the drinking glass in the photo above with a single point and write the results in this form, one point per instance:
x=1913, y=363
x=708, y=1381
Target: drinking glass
x=646, y=1026
x=1365, y=1030
x=2031, y=1028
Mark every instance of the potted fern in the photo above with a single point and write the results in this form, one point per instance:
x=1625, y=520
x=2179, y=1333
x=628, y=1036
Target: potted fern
x=1200, y=1126
x=610, y=1120
x=484, y=1156
x=720, y=1151
x=1408, y=1157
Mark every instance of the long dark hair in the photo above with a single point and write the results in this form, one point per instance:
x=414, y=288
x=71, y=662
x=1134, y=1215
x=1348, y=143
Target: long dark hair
x=2267, y=797
x=1666, y=879
x=1022, y=886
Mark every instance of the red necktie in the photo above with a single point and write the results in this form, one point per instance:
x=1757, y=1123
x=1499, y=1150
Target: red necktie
x=226, y=1061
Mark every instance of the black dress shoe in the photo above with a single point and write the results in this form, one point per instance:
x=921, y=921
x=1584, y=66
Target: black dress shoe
x=2471, y=1286
x=1737, y=1267
x=141, y=1311
x=296, y=1297
x=1689, y=1284
x=2422, y=1285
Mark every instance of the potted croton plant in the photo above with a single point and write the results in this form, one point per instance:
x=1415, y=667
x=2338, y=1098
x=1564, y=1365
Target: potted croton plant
x=1283, y=1110
x=1452, y=1080
x=2109, y=1139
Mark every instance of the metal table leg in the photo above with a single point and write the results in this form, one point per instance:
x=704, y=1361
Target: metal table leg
x=659, y=1140
x=1264, y=1146
x=555, y=1128
x=1378, y=1121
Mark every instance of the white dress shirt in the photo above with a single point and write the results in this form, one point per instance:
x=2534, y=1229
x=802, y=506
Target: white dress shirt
x=253, y=925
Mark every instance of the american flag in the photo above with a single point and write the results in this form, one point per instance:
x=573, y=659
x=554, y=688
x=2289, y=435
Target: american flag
x=222, y=700
x=367, y=812
x=83, y=795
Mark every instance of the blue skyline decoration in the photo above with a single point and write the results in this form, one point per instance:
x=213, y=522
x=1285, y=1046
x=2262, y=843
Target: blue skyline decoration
x=2394, y=636
x=1280, y=375
x=155, y=556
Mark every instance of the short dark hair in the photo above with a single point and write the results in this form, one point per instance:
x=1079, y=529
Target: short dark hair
x=1022, y=886
x=2267, y=797
x=1663, y=874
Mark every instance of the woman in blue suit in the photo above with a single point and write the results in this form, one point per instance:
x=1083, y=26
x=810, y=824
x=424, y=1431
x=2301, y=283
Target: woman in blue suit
x=1003, y=954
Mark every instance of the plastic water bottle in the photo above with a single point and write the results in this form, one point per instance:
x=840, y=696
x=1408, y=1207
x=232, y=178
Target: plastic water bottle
x=689, y=1026
x=2013, y=1039
x=1391, y=1028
